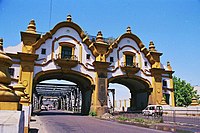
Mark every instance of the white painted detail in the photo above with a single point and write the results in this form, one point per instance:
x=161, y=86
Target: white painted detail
x=11, y=121
x=26, y=110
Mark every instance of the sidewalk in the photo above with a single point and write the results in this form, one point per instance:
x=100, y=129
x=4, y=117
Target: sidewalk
x=36, y=126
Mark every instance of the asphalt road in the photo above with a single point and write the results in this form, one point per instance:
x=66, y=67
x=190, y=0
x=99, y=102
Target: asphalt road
x=62, y=122
x=194, y=120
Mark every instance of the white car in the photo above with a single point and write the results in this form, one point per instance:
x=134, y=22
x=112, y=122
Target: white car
x=153, y=110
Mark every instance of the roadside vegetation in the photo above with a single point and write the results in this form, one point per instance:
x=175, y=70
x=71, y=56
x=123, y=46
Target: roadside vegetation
x=92, y=113
x=140, y=120
x=183, y=92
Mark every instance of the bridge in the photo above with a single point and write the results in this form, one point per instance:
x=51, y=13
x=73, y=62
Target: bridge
x=66, y=96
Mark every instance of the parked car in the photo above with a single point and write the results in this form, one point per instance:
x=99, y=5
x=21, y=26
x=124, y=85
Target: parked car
x=153, y=110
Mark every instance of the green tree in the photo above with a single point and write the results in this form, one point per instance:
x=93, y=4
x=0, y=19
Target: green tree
x=183, y=92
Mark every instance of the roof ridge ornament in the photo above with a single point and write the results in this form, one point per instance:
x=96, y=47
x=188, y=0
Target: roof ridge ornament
x=69, y=18
x=99, y=37
x=6, y=62
x=152, y=46
x=169, y=66
x=31, y=27
x=128, y=29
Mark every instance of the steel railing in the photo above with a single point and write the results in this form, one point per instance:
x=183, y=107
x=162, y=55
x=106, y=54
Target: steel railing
x=134, y=64
x=67, y=57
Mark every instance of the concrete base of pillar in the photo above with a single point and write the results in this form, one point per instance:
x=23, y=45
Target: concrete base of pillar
x=101, y=110
x=26, y=129
x=11, y=121
x=10, y=106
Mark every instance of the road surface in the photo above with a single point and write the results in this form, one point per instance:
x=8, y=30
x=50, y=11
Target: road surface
x=62, y=122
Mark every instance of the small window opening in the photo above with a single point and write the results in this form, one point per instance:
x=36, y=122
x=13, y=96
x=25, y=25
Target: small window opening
x=145, y=63
x=129, y=60
x=111, y=59
x=11, y=71
x=88, y=56
x=43, y=51
x=164, y=83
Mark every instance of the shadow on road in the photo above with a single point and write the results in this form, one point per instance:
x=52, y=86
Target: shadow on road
x=44, y=113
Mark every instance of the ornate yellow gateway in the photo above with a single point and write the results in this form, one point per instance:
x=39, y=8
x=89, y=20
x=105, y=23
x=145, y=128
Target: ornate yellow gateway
x=67, y=53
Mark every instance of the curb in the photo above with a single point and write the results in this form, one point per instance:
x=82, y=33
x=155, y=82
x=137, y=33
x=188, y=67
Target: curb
x=37, y=125
x=161, y=126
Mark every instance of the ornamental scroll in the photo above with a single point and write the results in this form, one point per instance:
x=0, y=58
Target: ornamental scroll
x=102, y=91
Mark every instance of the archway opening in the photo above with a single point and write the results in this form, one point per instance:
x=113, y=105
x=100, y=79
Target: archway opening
x=135, y=92
x=118, y=97
x=62, y=90
x=57, y=95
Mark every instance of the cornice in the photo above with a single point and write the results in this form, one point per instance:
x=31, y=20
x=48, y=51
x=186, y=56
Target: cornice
x=132, y=77
x=27, y=57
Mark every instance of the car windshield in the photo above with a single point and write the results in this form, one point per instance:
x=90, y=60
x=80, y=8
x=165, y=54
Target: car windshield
x=159, y=107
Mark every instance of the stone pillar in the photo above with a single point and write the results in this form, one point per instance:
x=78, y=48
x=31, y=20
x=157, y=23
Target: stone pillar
x=86, y=102
x=171, y=85
x=99, y=98
x=113, y=93
x=99, y=101
x=124, y=103
x=133, y=100
x=172, y=98
x=120, y=104
x=26, y=71
x=115, y=104
x=157, y=93
x=19, y=90
x=39, y=102
x=27, y=57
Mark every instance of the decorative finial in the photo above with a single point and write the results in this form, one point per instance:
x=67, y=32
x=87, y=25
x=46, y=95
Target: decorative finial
x=128, y=30
x=31, y=27
x=1, y=44
x=151, y=46
x=169, y=66
x=69, y=18
x=19, y=89
x=99, y=37
x=6, y=62
x=194, y=102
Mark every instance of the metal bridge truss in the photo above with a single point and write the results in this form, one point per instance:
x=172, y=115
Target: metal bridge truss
x=69, y=96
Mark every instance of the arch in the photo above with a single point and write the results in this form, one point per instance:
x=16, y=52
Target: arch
x=134, y=77
x=139, y=88
x=70, y=75
x=83, y=81
x=72, y=25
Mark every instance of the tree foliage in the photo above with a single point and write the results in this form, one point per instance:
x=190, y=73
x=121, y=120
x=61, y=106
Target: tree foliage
x=183, y=92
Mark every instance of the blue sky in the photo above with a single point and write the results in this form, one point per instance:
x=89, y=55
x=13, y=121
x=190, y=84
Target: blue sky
x=173, y=25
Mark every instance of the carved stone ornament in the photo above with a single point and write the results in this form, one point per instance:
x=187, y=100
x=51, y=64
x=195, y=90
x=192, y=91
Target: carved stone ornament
x=102, y=91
